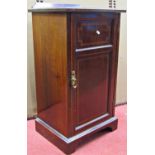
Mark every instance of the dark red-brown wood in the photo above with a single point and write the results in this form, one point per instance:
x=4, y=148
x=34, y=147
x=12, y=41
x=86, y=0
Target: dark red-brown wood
x=66, y=114
x=50, y=46
x=96, y=69
x=92, y=91
x=93, y=29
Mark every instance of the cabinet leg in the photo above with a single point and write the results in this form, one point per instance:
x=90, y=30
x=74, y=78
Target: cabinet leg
x=70, y=148
x=113, y=125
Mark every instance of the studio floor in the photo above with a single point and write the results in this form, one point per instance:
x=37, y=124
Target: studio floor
x=103, y=143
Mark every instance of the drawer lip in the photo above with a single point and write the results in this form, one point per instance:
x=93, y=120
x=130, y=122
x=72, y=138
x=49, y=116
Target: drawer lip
x=93, y=48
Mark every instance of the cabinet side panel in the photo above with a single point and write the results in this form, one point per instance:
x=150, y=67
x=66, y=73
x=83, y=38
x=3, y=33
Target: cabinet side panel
x=50, y=47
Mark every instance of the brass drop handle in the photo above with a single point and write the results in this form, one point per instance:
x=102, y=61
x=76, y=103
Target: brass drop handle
x=73, y=79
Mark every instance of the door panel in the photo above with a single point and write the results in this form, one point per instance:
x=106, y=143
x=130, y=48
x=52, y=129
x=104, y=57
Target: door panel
x=93, y=79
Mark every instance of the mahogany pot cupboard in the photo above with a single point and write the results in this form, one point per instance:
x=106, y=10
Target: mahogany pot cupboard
x=76, y=56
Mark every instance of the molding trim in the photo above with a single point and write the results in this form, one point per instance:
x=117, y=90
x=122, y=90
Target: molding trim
x=92, y=121
x=78, y=136
x=93, y=48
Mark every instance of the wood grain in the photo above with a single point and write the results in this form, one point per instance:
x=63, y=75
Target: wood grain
x=92, y=91
x=93, y=29
x=57, y=36
x=50, y=43
x=89, y=106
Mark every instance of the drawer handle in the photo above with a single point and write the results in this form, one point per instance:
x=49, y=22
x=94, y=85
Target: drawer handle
x=73, y=79
x=98, y=32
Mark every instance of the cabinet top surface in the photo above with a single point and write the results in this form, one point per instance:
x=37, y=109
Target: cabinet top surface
x=49, y=7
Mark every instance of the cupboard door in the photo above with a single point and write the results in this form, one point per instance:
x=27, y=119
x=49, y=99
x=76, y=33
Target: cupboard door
x=93, y=73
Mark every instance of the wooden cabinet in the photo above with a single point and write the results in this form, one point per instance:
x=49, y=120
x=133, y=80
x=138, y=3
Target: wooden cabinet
x=76, y=54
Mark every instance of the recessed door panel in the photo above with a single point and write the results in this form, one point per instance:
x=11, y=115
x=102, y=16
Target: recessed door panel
x=92, y=90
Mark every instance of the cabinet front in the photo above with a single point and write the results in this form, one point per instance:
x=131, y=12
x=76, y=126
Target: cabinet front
x=92, y=69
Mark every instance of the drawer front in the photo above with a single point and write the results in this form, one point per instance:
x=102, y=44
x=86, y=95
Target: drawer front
x=95, y=30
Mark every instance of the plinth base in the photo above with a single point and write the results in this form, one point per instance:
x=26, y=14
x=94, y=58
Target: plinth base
x=69, y=145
